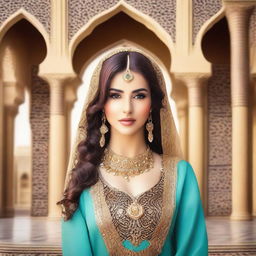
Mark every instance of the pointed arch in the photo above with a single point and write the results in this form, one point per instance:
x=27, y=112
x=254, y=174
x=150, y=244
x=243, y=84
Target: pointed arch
x=207, y=26
x=23, y=14
x=121, y=6
x=122, y=42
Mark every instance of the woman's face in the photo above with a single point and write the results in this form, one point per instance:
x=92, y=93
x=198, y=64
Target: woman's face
x=128, y=104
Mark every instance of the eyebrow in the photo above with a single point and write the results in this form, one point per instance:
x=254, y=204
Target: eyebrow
x=134, y=91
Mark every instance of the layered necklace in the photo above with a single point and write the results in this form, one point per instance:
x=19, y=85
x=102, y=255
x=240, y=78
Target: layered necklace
x=126, y=166
x=129, y=167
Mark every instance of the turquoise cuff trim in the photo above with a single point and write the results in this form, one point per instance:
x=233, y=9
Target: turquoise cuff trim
x=142, y=246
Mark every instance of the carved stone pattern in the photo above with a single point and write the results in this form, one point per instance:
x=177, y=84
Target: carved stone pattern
x=163, y=12
x=39, y=119
x=253, y=28
x=40, y=9
x=203, y=10
x=219, y=142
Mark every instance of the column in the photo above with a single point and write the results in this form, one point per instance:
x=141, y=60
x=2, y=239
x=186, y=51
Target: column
x=195, y=82
x=182, y=109
x=238, y=20
x=57, y=144
x=70, y=98
x=10, y=113
x=13, y=96
x=1, y=149
x=196, y=132
x=254, y=148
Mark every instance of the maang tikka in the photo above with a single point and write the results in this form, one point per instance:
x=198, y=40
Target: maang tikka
x=103, y=130
x=128, y=76
x=150, y=127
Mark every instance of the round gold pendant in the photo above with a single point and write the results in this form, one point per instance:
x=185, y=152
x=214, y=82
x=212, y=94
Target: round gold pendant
x=135, y=211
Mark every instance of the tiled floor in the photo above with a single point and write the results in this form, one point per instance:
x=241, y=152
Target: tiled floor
x=223, y=231
x=30, y=230
x=41, y=231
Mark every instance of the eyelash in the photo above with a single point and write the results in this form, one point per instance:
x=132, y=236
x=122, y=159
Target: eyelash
x=115, y=96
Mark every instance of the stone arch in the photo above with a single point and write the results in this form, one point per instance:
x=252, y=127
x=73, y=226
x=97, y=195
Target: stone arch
x=23, y=14
x=122, y=6
x=15, y=34
x=122, y=43
x=135, y=32
x=219, y=114
x=207, y=26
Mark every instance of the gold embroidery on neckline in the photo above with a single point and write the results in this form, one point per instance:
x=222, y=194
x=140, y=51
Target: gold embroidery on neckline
x=110, y=234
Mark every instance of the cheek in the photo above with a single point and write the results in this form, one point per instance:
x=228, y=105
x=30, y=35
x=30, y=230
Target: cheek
x=110, y=109
x=145, y=109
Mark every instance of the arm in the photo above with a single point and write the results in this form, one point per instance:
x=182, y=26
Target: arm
x=190, y=230
x=75, y=238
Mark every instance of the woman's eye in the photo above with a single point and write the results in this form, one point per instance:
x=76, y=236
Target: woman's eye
x=114, y=96
x=140, y=96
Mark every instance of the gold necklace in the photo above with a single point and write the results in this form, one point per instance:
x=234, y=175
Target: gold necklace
x=125, y=166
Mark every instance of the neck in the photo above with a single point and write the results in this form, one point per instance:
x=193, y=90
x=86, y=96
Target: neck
x=128, y=145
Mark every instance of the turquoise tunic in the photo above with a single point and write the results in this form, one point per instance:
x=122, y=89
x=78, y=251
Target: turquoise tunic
x=187, y=235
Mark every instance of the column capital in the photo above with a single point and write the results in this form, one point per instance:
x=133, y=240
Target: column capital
x=71, y=91
x=58, y=79
x=182, y=105
x=195, y=80
x=238, y=16
x=13, y=94
x=57, y=83
x=241, y=8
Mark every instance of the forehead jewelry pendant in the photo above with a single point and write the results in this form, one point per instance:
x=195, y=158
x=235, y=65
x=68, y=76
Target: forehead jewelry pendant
x=128, y=76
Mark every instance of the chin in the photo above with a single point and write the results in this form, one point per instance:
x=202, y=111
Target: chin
x=128, y=131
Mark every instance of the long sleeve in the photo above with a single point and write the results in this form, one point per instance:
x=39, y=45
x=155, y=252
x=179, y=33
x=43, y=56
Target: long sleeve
x=190, y=235
x=75, y=238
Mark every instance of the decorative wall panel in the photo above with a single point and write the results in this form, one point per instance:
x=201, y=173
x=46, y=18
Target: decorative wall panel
x=203, y=10
x=163, y=12
x=39, y=119
x=40, y=9
x=219, y=142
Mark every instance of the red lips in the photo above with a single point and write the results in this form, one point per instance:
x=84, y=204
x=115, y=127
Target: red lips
x=127, y=119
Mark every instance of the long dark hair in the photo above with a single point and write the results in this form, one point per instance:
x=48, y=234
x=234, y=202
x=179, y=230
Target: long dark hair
x=85, y=173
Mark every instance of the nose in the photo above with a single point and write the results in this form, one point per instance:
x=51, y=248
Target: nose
x=127, y=106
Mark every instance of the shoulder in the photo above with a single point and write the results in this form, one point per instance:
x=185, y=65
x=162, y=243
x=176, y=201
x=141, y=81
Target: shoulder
x=185, y=171
x=181, y=167
x=186, y=178
x=175, y=162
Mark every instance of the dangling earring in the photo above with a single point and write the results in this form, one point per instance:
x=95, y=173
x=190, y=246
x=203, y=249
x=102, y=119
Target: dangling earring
x=150, y=127
x=103, y=130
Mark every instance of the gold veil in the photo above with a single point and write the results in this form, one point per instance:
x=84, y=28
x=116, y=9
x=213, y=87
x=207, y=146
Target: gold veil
x=170, y=139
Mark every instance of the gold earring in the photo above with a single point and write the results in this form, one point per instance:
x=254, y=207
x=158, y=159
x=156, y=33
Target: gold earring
x=103, y=130
x=150, y=127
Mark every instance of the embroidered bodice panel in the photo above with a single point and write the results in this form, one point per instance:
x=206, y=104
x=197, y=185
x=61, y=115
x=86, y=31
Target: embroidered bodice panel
x=135, y=230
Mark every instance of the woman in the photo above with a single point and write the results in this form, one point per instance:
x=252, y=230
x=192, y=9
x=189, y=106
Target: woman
x=129, y=192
